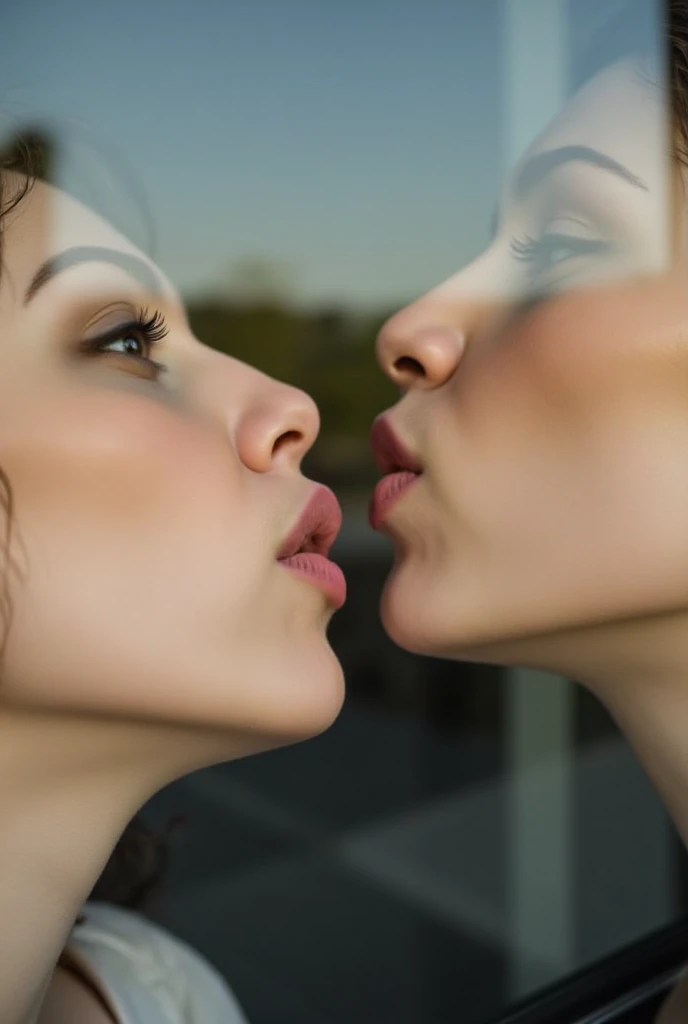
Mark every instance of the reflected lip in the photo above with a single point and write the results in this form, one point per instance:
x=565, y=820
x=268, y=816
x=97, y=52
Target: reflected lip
x=400, y=466
x=304, y=551
x=390, y=454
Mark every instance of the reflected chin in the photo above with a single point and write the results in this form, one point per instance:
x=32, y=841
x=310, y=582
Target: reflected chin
x=402, y=613
x=433, y=615
x=436, y=616
x=412, y=624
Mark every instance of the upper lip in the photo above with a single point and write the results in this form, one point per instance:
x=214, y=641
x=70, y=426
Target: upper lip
x=317, y=526
x=390, y=454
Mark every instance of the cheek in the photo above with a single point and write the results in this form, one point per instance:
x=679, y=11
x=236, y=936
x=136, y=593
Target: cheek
x=121, y=456
x=559, y=390
x=135, y=534
x=559, y=489
x=613, y=352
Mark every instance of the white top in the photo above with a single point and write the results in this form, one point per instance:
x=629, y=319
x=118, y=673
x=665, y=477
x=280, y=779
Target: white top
x=146, y=975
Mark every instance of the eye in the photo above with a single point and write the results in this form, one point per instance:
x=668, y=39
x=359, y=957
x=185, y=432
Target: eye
x=131, y=344
x=552, y=250
x=133, y=340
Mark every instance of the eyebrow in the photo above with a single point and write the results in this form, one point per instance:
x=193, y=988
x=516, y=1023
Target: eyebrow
x=538, y=167
x=134, y=266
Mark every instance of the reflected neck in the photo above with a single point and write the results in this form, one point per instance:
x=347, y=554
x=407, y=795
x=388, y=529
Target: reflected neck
x=654, y=720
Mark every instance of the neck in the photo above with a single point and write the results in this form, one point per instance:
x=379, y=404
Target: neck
x=646, y=691
x=68, y=787
x=655, y=722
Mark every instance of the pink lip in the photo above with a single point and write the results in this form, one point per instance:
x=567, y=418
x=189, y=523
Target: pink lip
x=387, y=493
x=390, y=454
x=401, y=467
x=321, y=571
x=305, y=550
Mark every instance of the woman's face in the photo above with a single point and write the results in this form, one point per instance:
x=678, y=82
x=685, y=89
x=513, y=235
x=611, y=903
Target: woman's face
x=552, y=431
x=149, y=505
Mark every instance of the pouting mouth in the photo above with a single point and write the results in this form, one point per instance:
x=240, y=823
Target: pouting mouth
x=314, y=543
x=391, y=455
x=317, y=527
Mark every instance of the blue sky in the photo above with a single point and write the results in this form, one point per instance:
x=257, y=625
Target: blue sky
x=356, y=144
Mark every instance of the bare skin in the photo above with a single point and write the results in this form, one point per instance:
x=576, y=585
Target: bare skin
x=69, y=998
x=153, y=630
x=548, y=527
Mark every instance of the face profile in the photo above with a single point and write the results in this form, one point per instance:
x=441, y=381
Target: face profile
x=166, y=585
x=173, y=557
x=535, y=485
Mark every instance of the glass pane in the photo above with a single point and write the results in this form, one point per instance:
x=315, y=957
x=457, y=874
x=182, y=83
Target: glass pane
x=463, y=834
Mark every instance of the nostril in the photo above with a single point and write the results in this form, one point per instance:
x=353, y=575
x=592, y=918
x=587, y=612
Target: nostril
x=285, y=440
x=409, y=366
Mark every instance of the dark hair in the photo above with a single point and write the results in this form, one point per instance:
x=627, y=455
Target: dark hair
x=677, y=38
x=605, y=31
x=137, y=864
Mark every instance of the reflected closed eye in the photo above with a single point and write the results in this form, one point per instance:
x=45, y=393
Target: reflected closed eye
x=552, y=252
x=554, y=249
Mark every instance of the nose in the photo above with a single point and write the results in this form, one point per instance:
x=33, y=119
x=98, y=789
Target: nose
x=421, y=346
x=278, y=426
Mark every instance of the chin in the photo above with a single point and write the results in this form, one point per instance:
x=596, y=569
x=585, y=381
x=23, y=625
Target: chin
x=440, y=618
x=423, y=634
x=303, y=700
x=420, y=619
x=419, y=615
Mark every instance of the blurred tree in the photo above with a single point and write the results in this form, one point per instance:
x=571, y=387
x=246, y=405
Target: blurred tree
x=261, y=279
x=329, y=355
x=265, y=335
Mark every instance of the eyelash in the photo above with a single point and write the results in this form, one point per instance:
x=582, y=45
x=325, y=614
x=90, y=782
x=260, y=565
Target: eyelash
x=525, y=248
x=149, y=330
x=531, y=249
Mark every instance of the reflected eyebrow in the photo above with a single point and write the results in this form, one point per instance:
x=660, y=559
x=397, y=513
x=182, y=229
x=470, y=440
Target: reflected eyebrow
x=537, y=168
x=136, y=267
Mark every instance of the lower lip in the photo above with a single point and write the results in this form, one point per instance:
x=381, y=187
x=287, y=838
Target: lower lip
x=322, y=572
x=387, y=493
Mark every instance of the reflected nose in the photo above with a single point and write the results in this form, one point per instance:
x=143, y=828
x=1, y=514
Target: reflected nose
x=279, y=425
x=419, y=348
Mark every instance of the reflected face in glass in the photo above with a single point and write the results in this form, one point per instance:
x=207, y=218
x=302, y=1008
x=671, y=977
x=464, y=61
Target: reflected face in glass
x=155, y=483
x=545, y=399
